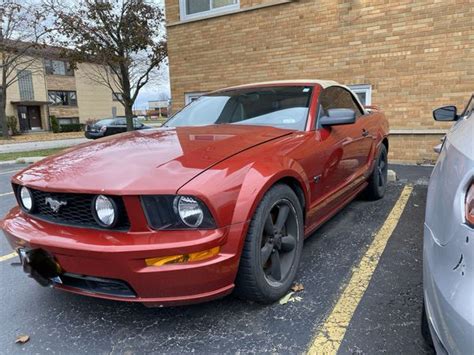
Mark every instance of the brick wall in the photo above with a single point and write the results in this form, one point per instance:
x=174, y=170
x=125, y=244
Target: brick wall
x=94, y=100
x=417, y=55
x=39, y=91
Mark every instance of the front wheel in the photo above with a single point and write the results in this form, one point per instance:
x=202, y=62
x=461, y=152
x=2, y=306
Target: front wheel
x=272, y=248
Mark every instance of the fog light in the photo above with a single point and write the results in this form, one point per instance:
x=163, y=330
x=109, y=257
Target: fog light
x=183, y=258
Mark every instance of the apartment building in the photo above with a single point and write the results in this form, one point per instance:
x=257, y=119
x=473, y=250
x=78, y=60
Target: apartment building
x=408, y=57
x=51, y=87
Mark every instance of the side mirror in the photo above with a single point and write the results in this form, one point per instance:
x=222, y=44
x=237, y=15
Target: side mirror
x=338, y=116
x=446, y=113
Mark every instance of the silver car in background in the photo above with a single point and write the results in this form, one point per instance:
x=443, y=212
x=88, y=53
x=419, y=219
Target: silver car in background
x=448, y=249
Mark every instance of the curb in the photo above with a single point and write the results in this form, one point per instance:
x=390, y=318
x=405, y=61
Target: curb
x=28, y=160
x=391, y=175
x=7, y=162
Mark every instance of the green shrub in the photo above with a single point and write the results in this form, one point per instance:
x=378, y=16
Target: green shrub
x=12, y=123
x=54, y=124
x=72, y=127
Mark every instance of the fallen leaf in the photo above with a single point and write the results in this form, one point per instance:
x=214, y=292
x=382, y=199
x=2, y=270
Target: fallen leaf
x=286, y=298
x=296, y=299
x=22, y=339
x=297, y=287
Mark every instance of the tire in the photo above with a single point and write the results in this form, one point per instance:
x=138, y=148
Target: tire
x=377, y=181
x=264, y=249
x=425, y=328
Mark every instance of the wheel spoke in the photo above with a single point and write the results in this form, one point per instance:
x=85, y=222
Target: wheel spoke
x=288, y=243
x=276, y=266
x=381, y=179
x=282, y=217
x=265, y=252
x=268, y=227
x=382, y=165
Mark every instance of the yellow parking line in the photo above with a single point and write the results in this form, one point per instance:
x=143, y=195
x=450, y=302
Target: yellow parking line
x=6, y=194
x=8, y=256
x=9, y=171
x=329, y=336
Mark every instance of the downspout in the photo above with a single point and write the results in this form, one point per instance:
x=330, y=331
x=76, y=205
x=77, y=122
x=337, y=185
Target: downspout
x=48, y=120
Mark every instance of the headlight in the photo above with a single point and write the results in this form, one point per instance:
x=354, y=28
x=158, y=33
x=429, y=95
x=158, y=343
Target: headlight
x=105, y=211
x=469, y=206
x=26, y=198
x=189, y=211
x=177, y=212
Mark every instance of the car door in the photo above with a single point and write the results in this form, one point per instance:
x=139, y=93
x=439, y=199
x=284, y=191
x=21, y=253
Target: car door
x=118, y=126
x=356, y=139
x=342, y=152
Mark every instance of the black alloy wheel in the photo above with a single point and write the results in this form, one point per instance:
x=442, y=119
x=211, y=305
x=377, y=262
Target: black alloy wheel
x=377, y=181
x=272, y=248
x=279, y=235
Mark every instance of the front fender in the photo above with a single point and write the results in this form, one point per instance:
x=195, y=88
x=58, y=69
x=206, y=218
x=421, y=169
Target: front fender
x=260, y=179
x=232, y=189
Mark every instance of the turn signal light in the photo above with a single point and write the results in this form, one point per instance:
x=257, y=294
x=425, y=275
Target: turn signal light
x=183, y=258
x=470, y=205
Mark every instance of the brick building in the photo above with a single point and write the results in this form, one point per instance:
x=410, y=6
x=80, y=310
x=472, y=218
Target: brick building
x=50, y=87
x=405, y=56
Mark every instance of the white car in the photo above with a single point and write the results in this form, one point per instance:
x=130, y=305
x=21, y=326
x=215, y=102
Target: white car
x=448, y=249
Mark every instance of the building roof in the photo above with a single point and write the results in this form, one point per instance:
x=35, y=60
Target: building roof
x=40, y=50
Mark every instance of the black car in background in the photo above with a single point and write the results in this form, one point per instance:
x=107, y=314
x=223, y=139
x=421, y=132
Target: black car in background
x=109, y=126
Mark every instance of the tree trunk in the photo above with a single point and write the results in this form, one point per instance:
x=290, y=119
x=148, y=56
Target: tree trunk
x=3, y=116
x=126, y=95
x=129, y=115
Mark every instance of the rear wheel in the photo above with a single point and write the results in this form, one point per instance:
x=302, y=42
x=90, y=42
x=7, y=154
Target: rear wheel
x=377, y=182
x=272, y=248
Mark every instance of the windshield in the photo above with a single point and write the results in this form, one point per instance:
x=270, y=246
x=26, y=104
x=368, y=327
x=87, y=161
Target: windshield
x=105, y=122
x=280, y=107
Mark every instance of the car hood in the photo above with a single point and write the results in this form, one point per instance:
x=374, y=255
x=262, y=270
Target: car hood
x=147, y=161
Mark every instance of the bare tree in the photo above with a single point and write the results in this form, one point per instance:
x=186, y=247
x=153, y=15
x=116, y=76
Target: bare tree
x=21, y=30
x=124, y=37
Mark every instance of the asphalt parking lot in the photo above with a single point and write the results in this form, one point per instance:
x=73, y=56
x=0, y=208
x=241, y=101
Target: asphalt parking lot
x=386, y=319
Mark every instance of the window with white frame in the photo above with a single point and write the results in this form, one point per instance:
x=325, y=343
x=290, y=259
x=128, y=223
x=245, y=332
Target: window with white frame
x=190, y=9
x=363, y=92
x=191, y=96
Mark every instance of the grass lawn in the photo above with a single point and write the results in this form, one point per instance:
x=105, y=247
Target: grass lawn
x=41, y=136
x=32, y=153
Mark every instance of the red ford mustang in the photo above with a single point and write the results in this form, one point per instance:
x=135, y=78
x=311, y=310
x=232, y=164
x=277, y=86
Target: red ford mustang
x=219, y=199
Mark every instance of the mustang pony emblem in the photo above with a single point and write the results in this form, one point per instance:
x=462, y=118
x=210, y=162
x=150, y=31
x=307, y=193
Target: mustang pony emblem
x=55, y=205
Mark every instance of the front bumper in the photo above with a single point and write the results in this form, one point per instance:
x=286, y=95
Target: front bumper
x=93, y=135
x=449, y=289
x=121, y=256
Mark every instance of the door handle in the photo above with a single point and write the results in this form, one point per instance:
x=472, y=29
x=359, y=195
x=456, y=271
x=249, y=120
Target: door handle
x=365, y=132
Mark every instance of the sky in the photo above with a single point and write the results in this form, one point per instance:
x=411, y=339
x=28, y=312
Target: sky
x=154, y=91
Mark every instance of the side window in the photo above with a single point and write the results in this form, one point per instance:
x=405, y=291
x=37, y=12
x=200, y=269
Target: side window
x=136, y=123
x=337, y=97
x=120, y=122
